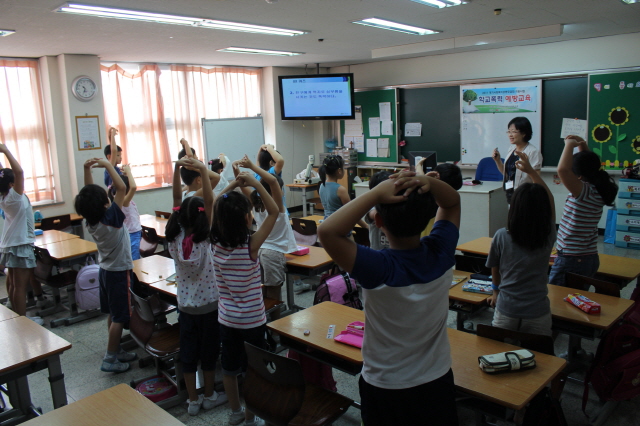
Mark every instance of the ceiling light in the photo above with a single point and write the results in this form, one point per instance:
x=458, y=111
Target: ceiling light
x=442, y=3
x=4, y=33
x=136, y=15
x=395, y=26
x=630, y=1
x=258, y=51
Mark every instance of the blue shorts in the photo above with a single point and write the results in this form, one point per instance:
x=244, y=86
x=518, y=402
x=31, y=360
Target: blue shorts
x=582, y=265
x=114, y=295
x=135, y=244
x=199, y=341
x=234, y=357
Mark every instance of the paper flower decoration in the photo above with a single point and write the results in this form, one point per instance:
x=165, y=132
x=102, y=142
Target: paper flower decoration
x=635, y=144
x=402, y=143
x=601, y=133
x=619, y=116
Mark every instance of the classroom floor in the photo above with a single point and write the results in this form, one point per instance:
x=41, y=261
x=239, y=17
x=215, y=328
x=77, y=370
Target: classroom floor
x=89, y=338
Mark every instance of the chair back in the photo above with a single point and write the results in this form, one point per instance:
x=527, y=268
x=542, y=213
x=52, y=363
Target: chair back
x=581, y=282
x=473, y=264
x=488, y=171
x=305, y=231
x=361, y=236
x=276, y=395
x=141, y=326
x=165, y=215
x=534, y=342
x=148, y=242
x=44, y=265
x=57, y=223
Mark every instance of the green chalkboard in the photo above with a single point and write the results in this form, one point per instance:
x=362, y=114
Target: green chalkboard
x=369, y=101
x=614, y=117
x=438, y=109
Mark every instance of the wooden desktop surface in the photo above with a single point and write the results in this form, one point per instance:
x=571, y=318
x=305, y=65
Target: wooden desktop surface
x=157, y=223
x=23, y=342
x=513, y=390
x=53, y=236
x=479, y=246
x=74, y=218
x=6, y=313
x=316, y=258
x=317, y=218
x=302, y=185
x=71, y=248
x=119, y=405
x=156, y=266
x=456, y=293
x=612, y=308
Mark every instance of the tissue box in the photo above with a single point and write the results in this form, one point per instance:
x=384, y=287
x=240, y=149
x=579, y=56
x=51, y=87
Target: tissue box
x=301, y=251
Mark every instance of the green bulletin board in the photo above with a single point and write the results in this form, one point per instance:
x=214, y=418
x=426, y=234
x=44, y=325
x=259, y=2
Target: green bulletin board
x=369, y=101
x=614, y=118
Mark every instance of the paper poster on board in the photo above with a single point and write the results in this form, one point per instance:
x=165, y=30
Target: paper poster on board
x=487, y=109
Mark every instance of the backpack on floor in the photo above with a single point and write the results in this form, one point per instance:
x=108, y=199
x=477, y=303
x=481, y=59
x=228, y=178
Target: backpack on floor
x=615, y=372
x=88, y=287
x=339, y=287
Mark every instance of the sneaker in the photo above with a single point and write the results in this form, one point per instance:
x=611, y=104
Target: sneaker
x=214, y=400
x=126, y=356
x=257, y=421
x=44, y=303
x=194, y=406
x=114, y=367
x=235, y=418
x=299, y=287
x=37, y=320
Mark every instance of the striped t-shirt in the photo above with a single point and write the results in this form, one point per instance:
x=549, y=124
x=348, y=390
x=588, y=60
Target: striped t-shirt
x=578, y=232
x=240, y=303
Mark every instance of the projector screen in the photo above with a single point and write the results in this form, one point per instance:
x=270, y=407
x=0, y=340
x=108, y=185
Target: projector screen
x=316, y=97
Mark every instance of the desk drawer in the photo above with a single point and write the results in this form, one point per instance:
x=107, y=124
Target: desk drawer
x=628, y=240
x=628, y=206
x=629, y=188
x=628, y=223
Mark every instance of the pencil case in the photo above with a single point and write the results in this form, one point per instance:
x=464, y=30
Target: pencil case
x=583, y=303
x=477, y=288
x=353, y=335
x=301, y=251
x=520, y=359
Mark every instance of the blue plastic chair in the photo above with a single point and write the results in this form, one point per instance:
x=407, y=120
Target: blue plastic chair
x=488, y=171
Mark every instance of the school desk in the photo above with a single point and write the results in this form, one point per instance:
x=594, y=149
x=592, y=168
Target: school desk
x=28, y=348
x=309, y=265
x=68, y=249
x=6, y=313
x=317, y=218
x=157, y=223
x=76, y=220
x=465, y=303
x=119, y=405
x=153, y=271
x=513, y=390
x=303, y=189
x=53, y=236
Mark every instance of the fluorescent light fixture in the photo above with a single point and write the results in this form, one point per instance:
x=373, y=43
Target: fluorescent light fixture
x=441, y=3
x=630, y=1
x=258, y=51
x=395, y=26
x=109, y=12
x=4, y=33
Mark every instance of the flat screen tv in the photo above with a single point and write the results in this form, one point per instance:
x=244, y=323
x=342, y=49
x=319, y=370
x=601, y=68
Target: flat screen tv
x=317, y=97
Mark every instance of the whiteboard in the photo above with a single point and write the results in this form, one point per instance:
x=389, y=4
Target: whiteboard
x=482, y=132
x=234, y=137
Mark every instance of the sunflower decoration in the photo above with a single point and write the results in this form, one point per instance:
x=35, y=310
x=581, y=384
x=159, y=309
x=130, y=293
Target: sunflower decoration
x=601, y=133
x=619, y=116
x=635, y=144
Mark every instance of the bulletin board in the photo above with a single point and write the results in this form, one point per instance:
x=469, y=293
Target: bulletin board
x=370, y=101
x=614, y=118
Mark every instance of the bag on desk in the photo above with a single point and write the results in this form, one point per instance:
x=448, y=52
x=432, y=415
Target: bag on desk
x=520, y=359
x=338, y=287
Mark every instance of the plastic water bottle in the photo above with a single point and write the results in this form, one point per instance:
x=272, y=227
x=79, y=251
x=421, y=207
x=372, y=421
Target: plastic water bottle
x=37, y=216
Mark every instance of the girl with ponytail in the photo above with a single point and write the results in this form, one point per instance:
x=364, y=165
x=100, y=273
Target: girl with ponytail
x=590, y=189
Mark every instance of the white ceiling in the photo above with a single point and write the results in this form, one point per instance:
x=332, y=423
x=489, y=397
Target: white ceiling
x=41, y=32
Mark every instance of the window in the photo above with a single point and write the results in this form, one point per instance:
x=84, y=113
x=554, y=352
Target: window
x=155, y=106
x=23, y=128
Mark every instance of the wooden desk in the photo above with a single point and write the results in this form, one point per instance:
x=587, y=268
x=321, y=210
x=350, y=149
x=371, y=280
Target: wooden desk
x=75, y=218
x=317, y=218
x=156, y=266
x=314, y=263
x=53, y=236
x=157, y=223
x=479, y=246
x=465, y=303
x=27, y=348
x=303, y=188
x=68, y=249
x=513, y=390
x=6, y=313
x=118, y=405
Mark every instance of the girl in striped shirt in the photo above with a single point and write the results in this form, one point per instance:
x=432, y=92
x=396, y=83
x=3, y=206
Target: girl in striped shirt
x=237, y=270
x=590, y=189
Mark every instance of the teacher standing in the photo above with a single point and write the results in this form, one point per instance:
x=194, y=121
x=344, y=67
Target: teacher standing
x=519, y=136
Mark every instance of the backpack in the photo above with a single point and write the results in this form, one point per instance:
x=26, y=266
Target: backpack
x=88, y=287
x=338, y=287
x=615, y=372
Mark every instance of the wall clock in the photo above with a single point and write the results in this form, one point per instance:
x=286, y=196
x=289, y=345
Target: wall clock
x=84, y=88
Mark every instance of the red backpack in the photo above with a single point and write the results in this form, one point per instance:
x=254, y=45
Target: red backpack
x=615, y=372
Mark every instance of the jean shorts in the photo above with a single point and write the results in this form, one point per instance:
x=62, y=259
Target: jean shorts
x=586, y=265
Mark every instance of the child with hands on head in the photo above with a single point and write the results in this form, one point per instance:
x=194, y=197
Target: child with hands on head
x=406, y=291
x=113, y=153
x=130, y=210
x=191, y=175
x=188, y=234
x=105, y=223
x=236, y=264
x=519, y=257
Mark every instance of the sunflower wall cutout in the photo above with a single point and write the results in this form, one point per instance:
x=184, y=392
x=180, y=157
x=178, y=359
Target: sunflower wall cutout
x=614, y=118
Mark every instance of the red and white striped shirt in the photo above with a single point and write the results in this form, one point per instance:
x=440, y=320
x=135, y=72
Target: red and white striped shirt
x=578, y=231
x=240, y=303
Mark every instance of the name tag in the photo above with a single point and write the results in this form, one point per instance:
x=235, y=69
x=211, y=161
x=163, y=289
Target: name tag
x=508, y=185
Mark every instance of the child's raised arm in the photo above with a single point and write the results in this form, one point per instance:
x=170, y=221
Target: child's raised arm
x=118, y=183
x=176, y=186
x=18, y=173
x=113, y=158
x=277, y=158
x=259, y=237
x=276, y=191
x=568, y=178
x=524, y=165
x=187, y=148
x=132, y=186
x=88, y=177
x=207, y=190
